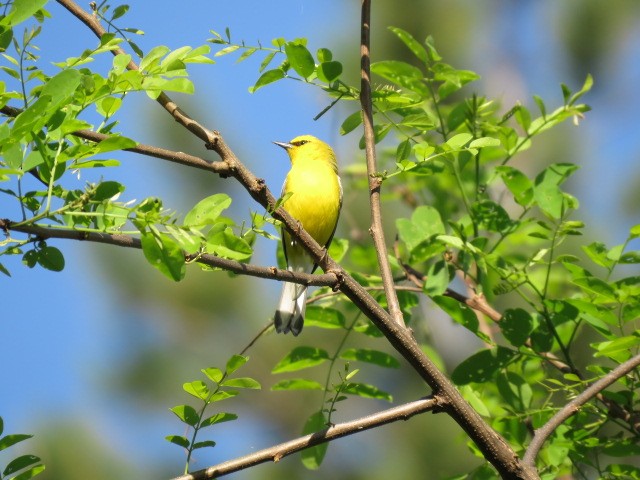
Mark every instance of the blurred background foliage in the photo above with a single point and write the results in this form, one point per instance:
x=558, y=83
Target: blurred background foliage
x=119, y=339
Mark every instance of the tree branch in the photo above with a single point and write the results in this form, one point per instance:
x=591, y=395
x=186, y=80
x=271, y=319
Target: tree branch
x=571, y=408
x=277, y=452
x=492, y=445
x=375, y=182
x=120, y=240
x=221, y=168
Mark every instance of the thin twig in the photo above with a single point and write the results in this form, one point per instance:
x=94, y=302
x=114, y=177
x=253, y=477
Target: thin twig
x=400, y=288
x=221, y=168
x=571, y=408
x=277, y=452
x=375, y=182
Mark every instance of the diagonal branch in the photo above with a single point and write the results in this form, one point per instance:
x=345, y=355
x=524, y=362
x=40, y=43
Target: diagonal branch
x=375, y=181
x=492, y=445
x=277, y=452
x=571, y=408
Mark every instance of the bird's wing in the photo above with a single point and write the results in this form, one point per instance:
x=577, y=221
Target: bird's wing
x=328, y=244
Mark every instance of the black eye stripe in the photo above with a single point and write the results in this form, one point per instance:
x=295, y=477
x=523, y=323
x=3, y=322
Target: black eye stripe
x=299, y=143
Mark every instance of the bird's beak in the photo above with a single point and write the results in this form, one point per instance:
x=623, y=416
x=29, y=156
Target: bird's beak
x=284, y=145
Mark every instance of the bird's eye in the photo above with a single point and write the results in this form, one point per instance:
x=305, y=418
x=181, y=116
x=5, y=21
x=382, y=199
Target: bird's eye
x=299, y=143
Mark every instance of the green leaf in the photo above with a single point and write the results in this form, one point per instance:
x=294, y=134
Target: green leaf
x=367, y=391
x=222, y=395
x=20, y=463
x=329, y=71
x=152, y=58
x=403, y=151
x=165, y=254
x=516, y=325
x=246, y=54
x=114, y=142
x=623, y=471
x=482, y=366
x=107, y=190
x=338, y=248
x=226, y=50
x=515, y=390
x=21, y=10
x=400, y=73
x=613, y=348
x=324, y=317
x=523, y=117
x=51, y=258
x=324, y=55
x=61, y=86
x=474, y=400
x=207, y=211
x=297, y=384
x=547, y=192
x=597, y=286
x=178, y=440
x=220, y=417
x=300, y=59
x=186, y=414
x=517, y=183
x=458, y=311
x=439, y=277
x=213, y=374
x=425, y=223
x=235, y=362
x=312, y=457
x=30, y=258
x=375, y=357
x=351, y=122
x=598, y=253
x=300, y=358
x=32, y=117
x=242, y=382
x=223, y=242
x=484, y=142
x=204, y=444
x=459, y=141
x=266, y=78
x=198, y=389
x=492, y=216
x=267, y=60
x=10, y=440
x=412, y=44
x=155, y=85
x=621, y=447
x=379, y=132
x=32, y=472
x=119, y=11
x=108, y=106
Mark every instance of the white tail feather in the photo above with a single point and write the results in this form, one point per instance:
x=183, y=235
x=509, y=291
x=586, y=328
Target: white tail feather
x=289, y=316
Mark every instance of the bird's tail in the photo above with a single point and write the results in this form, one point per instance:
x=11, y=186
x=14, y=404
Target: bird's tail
x=289, y=316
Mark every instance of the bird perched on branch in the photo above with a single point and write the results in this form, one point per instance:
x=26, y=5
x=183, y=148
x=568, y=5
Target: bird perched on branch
x=315, y=198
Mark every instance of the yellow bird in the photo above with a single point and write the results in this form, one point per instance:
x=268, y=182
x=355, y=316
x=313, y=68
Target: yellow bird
x=315, y=201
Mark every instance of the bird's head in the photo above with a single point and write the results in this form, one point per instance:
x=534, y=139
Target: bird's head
x=308, y=148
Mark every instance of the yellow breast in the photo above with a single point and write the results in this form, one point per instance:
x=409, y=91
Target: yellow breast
x=315, y=199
